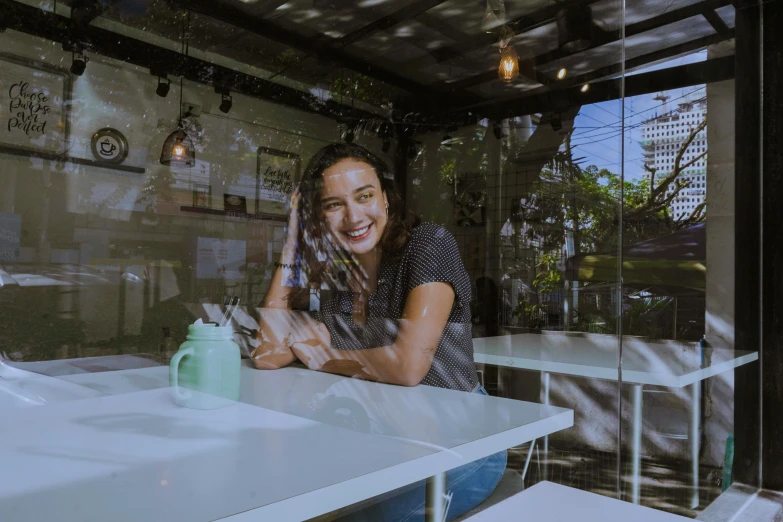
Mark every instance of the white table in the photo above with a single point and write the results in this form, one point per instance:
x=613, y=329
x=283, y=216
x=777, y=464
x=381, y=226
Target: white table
x=550, y=502
x=299, y=444
x=643, y=364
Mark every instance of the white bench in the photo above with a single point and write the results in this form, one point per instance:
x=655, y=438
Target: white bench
x=550, y=502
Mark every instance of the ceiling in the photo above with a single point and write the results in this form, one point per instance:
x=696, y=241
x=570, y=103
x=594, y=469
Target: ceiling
x=429, y=54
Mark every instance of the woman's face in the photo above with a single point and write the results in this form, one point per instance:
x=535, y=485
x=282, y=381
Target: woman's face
x=353, y=205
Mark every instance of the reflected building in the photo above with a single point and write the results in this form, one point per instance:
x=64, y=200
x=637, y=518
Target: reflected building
x=662, y=139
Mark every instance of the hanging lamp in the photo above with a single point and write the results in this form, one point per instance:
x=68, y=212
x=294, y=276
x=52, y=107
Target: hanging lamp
x=508, y=70
x=178, y=149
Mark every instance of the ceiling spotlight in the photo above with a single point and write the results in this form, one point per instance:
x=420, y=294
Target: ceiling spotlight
x=226, y=103
x=497, y=130
x=575, y=28
x=79, y=63
x=557, y=122
x=412, y=151
x=164, y=84
x=348, y=135
x=585, y=87
x=561, y=74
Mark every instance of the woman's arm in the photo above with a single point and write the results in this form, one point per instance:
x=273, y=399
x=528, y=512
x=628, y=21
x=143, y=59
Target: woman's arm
x=275, y=325
x=406, y=361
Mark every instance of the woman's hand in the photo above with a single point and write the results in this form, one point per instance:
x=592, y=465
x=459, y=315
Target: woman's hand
x=311, y=343
x=292, y=237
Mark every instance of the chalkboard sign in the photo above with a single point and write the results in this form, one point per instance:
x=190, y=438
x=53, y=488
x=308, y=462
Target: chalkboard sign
x=34, y=100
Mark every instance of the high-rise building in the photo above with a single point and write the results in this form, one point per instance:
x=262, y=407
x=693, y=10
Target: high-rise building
x=662, y=138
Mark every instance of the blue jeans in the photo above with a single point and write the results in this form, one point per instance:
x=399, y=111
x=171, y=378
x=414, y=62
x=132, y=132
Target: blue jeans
x=470, y=485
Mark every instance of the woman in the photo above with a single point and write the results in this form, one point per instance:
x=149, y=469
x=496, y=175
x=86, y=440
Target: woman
x=392, y=302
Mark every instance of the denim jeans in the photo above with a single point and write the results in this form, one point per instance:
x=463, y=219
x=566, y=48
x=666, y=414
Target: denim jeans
x=470, y=485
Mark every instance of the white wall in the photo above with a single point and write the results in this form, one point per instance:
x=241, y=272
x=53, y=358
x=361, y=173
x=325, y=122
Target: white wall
x=93, y=207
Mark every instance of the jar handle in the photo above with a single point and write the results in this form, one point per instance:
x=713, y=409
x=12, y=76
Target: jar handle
x=174, y=372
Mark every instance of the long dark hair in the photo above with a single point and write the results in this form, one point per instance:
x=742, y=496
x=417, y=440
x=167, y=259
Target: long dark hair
x=319, y=253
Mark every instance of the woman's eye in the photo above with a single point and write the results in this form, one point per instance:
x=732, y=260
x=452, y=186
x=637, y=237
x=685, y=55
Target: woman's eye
x=330, y=206
x=364, y=197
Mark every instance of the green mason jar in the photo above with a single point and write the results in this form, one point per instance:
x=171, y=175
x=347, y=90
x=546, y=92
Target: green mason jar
x=204, y=373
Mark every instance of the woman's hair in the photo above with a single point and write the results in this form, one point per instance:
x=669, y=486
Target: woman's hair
x=319, y=251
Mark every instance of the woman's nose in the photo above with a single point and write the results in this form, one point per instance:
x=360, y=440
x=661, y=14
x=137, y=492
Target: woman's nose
x=352, y=213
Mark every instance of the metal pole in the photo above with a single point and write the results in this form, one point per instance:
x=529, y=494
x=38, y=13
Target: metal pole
x=435, y=508
x=694, y=440
x=527, y=460
x=636, y=450
x=674, y=322
x=546, y=376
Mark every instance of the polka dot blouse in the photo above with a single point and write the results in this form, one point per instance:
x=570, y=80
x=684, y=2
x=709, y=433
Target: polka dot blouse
x=431, y=255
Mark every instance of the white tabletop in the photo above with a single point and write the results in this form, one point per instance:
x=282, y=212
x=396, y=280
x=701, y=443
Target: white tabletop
x=674, y=365
x=550, y=502
x=299, y=444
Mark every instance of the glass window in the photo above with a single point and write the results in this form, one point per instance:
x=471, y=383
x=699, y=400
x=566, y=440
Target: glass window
x=289, y=246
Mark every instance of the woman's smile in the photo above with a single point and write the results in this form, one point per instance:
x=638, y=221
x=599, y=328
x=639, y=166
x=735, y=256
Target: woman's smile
x=358, y=234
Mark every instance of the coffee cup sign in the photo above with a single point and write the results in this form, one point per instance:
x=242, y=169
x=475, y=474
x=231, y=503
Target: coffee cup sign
x=109, y=146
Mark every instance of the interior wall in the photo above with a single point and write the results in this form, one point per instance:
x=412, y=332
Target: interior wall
x=81, y=214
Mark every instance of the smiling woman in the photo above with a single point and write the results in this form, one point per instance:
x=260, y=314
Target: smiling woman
x=393, y=301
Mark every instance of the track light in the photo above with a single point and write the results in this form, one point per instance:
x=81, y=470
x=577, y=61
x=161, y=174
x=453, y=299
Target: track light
x=562, y=73
x=575, y=28
x=556, y=121
x=412, y=151
x=348, y=135
x=164, y=84
x=79, y=63
x=226, y=103
x=585, y=87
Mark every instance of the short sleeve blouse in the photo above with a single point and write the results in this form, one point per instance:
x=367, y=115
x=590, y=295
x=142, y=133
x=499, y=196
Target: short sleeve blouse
x=431, y=255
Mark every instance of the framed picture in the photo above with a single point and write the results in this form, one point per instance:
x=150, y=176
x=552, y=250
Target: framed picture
x=202, y=195
x=233, y=203
x=34, y=102
x=277, y=173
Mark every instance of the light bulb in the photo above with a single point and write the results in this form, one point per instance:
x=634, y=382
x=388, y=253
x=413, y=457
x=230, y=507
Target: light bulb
x=561, y=74
x=585, y=87
x=178, y=150
x=508, y=69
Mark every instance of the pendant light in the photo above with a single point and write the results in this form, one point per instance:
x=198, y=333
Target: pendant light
x=178, y=149
x=508, y=70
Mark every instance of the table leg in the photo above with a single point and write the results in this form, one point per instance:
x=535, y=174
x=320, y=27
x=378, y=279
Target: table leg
x=694, y=440
x=435, y=507
x=545, y=474
x=636, y=444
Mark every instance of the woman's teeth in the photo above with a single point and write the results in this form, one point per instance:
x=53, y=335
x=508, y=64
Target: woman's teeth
x=357, y=233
